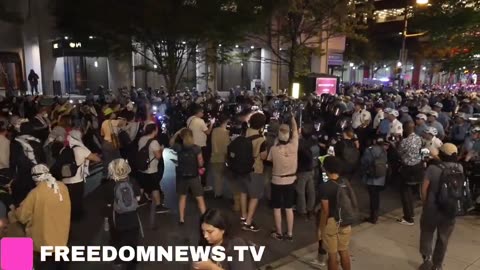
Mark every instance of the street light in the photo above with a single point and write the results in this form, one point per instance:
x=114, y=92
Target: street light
x=403, y=52
x=351, y=64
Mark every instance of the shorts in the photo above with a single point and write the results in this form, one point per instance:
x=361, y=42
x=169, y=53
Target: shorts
x=148, y=182
x=336, y=238
x=251, y=184
x=283, y=196
x=193, y=184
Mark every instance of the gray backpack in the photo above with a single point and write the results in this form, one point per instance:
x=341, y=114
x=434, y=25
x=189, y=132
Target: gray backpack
x=124, y=198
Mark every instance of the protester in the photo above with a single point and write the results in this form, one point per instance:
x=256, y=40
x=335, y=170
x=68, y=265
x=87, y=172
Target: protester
x=46, y=214
x=220, y=141
x=284, y=159
x=190, y=167
x=305, y=183
x=121, y=197
x=434, y=217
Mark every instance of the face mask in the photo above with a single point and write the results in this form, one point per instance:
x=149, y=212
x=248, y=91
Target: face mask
x=45, y=115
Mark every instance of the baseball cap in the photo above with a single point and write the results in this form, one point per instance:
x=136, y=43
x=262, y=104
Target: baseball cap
x=421, y=116
x=448, y=149
x=393, y=112
x=438, y=105
x=404, y=109
x=433, y=113
x=462, y=115
x=476, y=129
x=107, y=111
x=431, y=130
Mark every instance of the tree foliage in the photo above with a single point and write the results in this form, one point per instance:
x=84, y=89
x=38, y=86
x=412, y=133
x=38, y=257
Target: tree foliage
x=299, y=27
x=453, y=28
x=167, y=33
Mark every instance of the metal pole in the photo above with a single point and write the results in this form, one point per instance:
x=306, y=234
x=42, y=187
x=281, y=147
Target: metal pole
x=403, y=54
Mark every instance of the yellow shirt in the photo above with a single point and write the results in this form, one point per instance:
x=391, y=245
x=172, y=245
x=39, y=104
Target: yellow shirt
x=47, y=219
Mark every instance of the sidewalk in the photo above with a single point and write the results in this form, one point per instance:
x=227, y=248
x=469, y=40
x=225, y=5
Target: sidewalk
x=392, y=246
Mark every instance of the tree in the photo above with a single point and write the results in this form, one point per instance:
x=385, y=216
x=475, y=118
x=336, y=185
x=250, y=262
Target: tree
x=299, y=27
x=452, y=32
x=168, y=33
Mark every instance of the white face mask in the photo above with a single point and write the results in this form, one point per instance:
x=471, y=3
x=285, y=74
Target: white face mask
x=283, y=136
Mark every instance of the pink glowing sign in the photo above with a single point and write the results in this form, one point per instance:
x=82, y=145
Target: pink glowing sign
x=326, y=86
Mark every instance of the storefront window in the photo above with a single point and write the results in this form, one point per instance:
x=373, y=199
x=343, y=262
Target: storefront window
x=85, y=72
x=11, y=75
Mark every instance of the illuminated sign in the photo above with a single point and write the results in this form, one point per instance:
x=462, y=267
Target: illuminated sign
x=326, y=86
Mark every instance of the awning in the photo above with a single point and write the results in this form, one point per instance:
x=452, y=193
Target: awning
x=9, y=57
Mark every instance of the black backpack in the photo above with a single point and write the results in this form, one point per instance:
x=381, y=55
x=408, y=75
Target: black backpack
x=346, y=212
x=142, y=158
x=187, y=163
x=65, y=165
x=450, y=191
x=351, y=154
x=240, y=158
x=124, y=138
x=379, y=166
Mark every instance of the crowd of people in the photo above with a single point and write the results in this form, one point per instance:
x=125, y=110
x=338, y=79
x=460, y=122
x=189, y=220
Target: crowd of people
x=300, y=156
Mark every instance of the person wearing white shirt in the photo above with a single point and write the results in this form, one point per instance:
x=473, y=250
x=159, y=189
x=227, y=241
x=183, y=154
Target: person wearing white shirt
x=379, y=116
x=396, y=127
x=200, y=132
x=430, y=140
x=76, y=184
x=361, y=119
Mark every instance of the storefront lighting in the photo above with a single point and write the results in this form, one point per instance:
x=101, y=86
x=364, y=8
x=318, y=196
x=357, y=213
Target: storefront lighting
x=296, y=90
x=90, y=37
x=236, y=46
x=422, y=2
x=155, y=66
x=352, y=64
x=354, y=68
x=66, y=37
x=219, y=45
x=252, y=47
x=95, y=64
x=55, y=45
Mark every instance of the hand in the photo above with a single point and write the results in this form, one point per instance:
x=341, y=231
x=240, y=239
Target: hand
x=207, y=265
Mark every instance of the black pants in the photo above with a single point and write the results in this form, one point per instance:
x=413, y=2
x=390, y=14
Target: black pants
x=49, y=264
x=444, y=228
x=374, y=193
x=120, y=238
x=407, y=201
x=34, y=87
x=76, y=199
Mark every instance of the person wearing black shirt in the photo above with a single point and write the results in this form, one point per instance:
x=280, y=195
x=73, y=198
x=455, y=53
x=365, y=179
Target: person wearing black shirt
x=335, y=238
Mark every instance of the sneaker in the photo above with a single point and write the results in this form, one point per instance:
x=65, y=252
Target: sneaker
x=276, y=236
x=243, y=220
x=252, y=227
x=404, y=222
x=143, y=201
x=160, y=209
x=319, y=261
x=288, y=237
x=207, y=188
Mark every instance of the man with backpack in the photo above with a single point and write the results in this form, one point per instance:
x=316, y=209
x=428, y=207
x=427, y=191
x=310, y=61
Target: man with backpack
x=347, y=149
x=245, y=160
x=338, y=214
x=72, y=168
x=147, y=163
x=374, y=165
x=121, y=197
x=442, y=192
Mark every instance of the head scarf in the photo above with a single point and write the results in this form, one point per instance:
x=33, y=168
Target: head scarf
x=119, y=169
x=41, y=173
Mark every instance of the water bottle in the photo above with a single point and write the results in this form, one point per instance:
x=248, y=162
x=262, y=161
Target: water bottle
x=106, y=226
